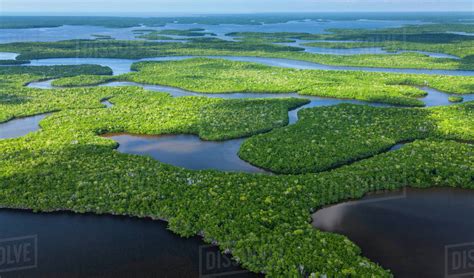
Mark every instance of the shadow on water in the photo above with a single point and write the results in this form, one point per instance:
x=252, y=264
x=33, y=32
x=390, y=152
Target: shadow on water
x=111, y=246
x=405, y=231
x=187, y=151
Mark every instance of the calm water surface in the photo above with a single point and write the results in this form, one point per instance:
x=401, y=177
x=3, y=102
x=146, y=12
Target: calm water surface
x=405, y=231
x=8, y=56
x=187, y=151
x=433, y=97
x=357, y=51
x=68, y=32
x=20, y=127
x=85, y=245
x=120, y=66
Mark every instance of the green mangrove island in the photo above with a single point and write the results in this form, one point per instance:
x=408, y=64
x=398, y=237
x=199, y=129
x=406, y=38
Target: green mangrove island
x=331, y=154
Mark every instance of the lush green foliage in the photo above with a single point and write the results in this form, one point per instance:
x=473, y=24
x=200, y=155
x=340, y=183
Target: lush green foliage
x=213, y=46
x=430, y=37
x=163, y=34
x=241, y=19
x=102, y=37
x=158, y=113
x=152, y=36
x=82, y=80
x=460, y=49
x=14, y=62
x=455, y=99
x=16, y=76
x=262, y=220
x=187, y=33
x=56, y=71
x=21, y=102
x=222, y=76
x=328, y=137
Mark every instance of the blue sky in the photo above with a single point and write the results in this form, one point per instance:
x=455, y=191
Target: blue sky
x=228, y=6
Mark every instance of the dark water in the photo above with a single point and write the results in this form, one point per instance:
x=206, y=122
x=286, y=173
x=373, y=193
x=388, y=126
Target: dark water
x=84, y=245
x=406, y=231
x=187, y=151
x=20, y=127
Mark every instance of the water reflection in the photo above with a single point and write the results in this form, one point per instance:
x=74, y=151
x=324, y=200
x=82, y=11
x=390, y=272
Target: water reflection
x=438, y=98
x=20, y=127
x=109, y=246
x=405, y=231
x=187, y=151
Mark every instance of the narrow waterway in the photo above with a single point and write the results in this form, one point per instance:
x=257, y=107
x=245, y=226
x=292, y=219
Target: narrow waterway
x=20, y=126
x=120, y=66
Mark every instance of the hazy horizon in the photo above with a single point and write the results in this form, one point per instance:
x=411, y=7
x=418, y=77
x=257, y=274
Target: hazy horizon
x=190, y=7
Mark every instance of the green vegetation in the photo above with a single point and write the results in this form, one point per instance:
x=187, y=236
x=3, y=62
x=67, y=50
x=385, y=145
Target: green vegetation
x=222, y=76
x=460, y=49
x=18, y=101
x=83, y=80
x=213, y=46
x=212, y=119
x=455, y=99
x=240, y=19
x=197, y=32
x=155, y=36
x=15, y=76
x=22, y=102
x=13, y=62
x=163, y=34
x=102, y=37
x=56, y=71
x=431, y=38
x=328, y=137
x=263, y=220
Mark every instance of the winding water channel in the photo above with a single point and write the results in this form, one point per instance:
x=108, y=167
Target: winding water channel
x=120, y=66
x=189, y=151
x=405, y=232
